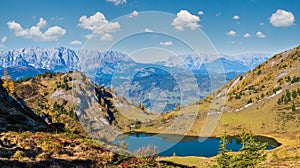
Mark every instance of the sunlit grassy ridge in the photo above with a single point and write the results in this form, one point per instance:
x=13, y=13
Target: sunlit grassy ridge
x=265, y=100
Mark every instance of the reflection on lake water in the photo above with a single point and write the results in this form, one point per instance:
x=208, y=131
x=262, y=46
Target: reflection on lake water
x=169, y=144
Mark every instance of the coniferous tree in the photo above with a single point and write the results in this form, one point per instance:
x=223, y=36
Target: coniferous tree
x=253, y=153
x=262, y=95
x=294, y=94
x=288, y=95
x=293, y=107
x=251, y=156
x=288, y=79
x=279, y=101
x=223, y=159
x=250, y=101
x=238, y=96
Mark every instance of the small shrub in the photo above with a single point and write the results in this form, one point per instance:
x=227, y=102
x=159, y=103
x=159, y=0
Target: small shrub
x=249, y=101
x=148, y=151
x=19, y=155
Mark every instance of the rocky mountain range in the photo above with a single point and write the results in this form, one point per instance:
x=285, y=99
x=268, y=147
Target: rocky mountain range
x=136, y=81
x=64, y=59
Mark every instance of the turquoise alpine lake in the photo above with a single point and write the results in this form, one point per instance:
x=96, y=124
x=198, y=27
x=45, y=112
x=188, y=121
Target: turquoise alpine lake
x=169, y=144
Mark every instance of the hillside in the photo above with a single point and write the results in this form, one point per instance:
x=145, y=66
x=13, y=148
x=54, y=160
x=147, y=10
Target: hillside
x=15, y=116
x=84, y=107
x=270, y=91
x=27, y=140
x=64, y=120
x=265, y=100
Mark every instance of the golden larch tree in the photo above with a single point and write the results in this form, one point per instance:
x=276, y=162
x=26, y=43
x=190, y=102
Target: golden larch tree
x=8, y=83
x=5, y=79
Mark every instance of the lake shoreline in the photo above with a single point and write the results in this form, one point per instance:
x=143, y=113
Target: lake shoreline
x=195, y=136
x=186, y=145
x=286, y=139
x=268, y=135
x=282, y=138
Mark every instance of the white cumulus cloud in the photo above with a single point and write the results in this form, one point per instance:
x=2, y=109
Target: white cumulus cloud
x=133, y=14
x=167, y=43
x=260, y=35
x=185, y=19
x=76, y=42
x=231, y=33
x=200, y=13
x=282, y=18
x=106, y=37
x=247, y=35
x=147, y=30
x=3, y=39
x=236, y=17
x=42, y=23
x=117, y=2
x=98, y=24
x=35, y=33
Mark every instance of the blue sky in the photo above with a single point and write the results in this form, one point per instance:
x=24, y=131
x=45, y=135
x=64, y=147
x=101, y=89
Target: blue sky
x=232, y=26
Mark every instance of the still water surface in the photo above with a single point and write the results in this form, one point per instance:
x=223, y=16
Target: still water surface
x=185, y=145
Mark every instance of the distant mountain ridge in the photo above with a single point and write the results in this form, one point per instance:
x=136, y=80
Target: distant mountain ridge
x=40, y=58
x=237, y=63
x=117, y=70
x=62, y=59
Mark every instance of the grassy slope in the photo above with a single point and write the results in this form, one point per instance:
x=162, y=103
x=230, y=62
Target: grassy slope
x=72, y=146
x=264, y=116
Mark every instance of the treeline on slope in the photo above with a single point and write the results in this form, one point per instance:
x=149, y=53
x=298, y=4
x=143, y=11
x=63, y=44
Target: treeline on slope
x=260, y=88
x=254, y=81
x=36, y=93
x=105, y=99
x=288, y=96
